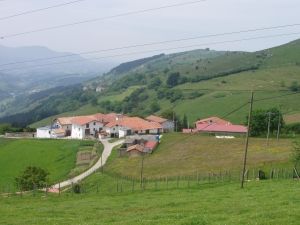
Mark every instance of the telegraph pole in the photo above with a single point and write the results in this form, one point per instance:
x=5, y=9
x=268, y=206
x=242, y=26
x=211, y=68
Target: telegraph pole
x=270, y=114
x=279, y=125
x=247, y=139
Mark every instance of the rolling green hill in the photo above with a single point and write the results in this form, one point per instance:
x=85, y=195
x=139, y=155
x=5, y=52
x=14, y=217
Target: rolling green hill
x=208, y=83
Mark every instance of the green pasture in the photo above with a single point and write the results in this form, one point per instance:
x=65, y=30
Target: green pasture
x=57, y=156
x=185, y=154
x=259, y=202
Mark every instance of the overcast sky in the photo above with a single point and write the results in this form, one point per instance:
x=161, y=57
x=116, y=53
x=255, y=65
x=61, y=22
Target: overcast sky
x=186, y=21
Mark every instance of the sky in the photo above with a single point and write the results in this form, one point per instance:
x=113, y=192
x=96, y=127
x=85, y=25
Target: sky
x=202, y=18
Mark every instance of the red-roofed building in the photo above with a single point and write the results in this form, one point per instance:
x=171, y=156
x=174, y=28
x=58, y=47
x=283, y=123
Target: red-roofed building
x=83, y=126
x=64, y=123
x=135, y=151
x=213, y=120
x=167, y=124
x=221, y=129
x=135, y=124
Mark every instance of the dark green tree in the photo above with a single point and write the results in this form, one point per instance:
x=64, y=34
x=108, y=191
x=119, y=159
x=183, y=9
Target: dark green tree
x=295, y=155
x=4, y=128
x=184, y=122
x=30, y=176
x=260, y=120
x=294, y=86
x=155, y=83
x=94, y=101
x=168, y=114
x=154, y=106
x=173, y=79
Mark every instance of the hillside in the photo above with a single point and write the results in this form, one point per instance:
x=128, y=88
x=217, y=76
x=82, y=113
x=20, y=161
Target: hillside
x=199, y=83
x=213, y=86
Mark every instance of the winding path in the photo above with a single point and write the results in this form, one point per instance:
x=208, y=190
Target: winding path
x=102, y=160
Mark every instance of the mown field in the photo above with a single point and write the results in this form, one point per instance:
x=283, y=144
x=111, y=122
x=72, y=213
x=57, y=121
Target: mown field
x=57, y=156
x=259, y=202
x=185, y=154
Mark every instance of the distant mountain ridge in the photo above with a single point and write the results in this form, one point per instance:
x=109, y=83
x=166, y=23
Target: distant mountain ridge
x=34, y=57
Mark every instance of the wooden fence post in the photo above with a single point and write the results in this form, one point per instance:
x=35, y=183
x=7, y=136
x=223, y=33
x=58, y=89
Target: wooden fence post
x=198, y=180
x=121, y=187
x=167, y=182
x=132, y=185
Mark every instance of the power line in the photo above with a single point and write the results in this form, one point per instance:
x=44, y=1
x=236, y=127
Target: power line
x=103, y=18
x=127, y=54
x=37, y=10
x=155, y=43
x=209, y=124
x=263, y=99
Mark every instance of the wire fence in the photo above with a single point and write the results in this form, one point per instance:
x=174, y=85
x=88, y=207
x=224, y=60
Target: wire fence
x=107, y=184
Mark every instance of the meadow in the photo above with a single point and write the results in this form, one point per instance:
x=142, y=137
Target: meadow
x=56, y=156
x=185, y=154
x=259, y=202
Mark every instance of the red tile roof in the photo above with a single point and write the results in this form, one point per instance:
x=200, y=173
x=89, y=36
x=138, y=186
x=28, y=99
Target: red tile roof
x=221, y=128
x=156, y=119
x=65, y=120
x=213, y=120
x=59, y=131
x=135, y=123
x=82, y=120
x=106, y=118
x=150, y=144
x=135, y=147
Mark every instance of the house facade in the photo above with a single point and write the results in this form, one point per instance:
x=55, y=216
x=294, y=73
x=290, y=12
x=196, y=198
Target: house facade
x=85, y=126
x=64, y=123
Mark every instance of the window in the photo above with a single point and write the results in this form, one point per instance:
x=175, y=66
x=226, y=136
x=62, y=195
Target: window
x=94, y=123
x=78, y=129
x=88, y=125
x=94, y=129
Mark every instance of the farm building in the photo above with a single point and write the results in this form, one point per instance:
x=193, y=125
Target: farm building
x=168, y=125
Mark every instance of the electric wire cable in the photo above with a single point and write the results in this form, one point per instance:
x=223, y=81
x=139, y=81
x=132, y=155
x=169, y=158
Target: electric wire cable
x=208, y=125
x=155, y=43
x=127, y=54
x=103, y=18
x=37, y=10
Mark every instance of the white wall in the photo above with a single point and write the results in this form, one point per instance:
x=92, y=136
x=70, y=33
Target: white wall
x=45, y=133
x=79, y=131
x=168, y=125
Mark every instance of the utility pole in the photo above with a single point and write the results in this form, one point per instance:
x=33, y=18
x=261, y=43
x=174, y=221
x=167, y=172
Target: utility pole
x=279, y=125
x=270, y=114
x=142, y=170
x=247, y=139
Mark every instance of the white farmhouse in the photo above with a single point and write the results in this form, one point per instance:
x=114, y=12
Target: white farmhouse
x=84, y=126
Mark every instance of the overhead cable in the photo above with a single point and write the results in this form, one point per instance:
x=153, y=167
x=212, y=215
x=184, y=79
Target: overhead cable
x=37, y=10
x=127, y=54
x=154, y=43
x=102, y=18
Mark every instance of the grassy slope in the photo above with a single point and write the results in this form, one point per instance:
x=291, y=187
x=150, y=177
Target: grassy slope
x=189, y=154
x=57, y=156
x=264, y=202
x=224, y=94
